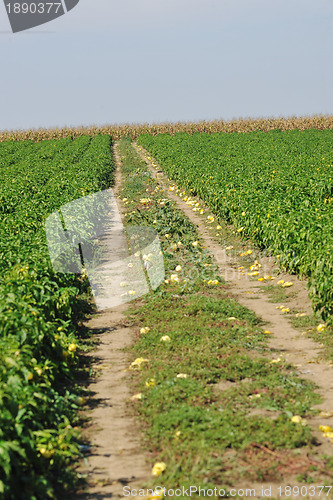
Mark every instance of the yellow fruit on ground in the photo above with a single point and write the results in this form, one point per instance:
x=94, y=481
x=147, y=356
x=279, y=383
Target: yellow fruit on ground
x=158, y=468
x=325, y=428
x=46, y=453
x=72, y=347
x=80, y=401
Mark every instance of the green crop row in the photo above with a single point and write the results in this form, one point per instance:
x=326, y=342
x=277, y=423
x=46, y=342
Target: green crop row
x=39, y=312
x=275, y=187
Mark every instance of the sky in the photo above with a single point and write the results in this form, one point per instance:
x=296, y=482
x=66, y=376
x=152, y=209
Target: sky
x=153, y=61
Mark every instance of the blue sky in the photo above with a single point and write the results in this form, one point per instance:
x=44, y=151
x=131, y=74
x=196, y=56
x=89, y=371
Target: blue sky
x=145, y=61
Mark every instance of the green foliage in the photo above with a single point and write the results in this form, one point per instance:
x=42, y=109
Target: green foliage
x=39, y=310
x=277, y=186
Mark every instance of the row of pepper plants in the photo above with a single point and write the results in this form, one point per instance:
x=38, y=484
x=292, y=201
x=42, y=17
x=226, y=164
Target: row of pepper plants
x=275, y=187
x=39, y=313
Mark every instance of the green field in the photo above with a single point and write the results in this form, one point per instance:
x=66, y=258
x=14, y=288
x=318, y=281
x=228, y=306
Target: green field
x=275, y=187
x=216, y=406
x=39, y=310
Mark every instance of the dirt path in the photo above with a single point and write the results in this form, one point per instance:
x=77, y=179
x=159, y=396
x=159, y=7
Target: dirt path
x=288, y=342
x=115, y=459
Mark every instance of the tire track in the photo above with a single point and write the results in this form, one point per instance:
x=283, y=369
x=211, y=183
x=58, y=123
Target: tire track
x=116, y=458
x=285, y=341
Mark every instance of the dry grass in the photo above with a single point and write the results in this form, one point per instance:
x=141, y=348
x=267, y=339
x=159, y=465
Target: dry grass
x=134, y=130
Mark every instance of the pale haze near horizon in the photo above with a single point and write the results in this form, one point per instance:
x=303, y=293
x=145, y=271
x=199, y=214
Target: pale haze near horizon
x=152, y=61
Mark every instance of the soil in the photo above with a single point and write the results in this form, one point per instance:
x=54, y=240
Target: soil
x=285, y=342
x=116, y=458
